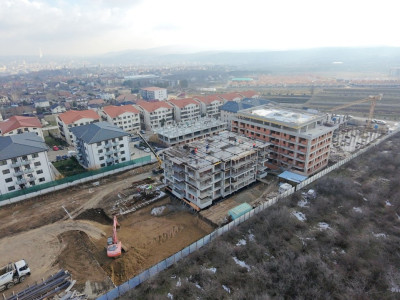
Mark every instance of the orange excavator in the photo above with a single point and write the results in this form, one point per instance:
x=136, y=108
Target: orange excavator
x=113, y=245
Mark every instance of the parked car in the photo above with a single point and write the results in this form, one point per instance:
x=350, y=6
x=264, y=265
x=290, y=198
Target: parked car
x=147, y=150
x=58, y=158
x=55, y=148
x=65, y=157
x=60, y=147
x=142, y=131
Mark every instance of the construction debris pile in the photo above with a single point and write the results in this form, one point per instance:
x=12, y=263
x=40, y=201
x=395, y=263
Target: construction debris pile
x=138, y=195
x=51, y=287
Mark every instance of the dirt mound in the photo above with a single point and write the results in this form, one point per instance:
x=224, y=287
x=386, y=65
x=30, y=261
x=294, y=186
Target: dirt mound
x=95, y=214
x=79, y=258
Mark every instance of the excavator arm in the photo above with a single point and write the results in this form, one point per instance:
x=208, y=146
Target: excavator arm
x=152, y=150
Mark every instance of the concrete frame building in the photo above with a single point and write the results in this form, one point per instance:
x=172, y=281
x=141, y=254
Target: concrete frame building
x=299, y=139
x=101, y=144
x=185, y=109
x=73, y=118
x=23, y=162
x=210, y=105
x=19, y=124
x=206, y=170
x=154, y=93
x=189, y=131
x=125, y=117
x=155, y=115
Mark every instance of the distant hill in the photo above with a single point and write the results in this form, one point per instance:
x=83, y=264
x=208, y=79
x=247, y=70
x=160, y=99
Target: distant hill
x=345, y=59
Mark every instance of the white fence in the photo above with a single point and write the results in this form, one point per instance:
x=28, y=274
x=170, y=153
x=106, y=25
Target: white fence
x=135, y=281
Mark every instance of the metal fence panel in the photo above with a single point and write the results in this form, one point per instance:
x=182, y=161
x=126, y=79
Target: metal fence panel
x=102, y=297
x=193, y=247
x=170, y=261
x=178, y=256
x=113, y=294
x=144, y=275
x=207, y=239
x=123, y=288
x=162, y=265
x=236, y=222
x=134, y=282
x=200, y=243
x=185, y=251
x=251, y=213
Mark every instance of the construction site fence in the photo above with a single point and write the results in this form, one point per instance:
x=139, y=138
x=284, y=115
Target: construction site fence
x=66, y=182
x=164, y=264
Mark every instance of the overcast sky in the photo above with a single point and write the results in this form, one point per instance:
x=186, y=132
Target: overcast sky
x=87, y=27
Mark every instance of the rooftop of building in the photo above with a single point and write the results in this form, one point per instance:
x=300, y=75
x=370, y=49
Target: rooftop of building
x=223, y=146
x=282, y=115
x=181, y=103
x=97, y=132
x=208, y=99
x=152, y=106
x=21, y=144
x=72, y=116
x=15, y=122
x=234, y=107
x=188, y=127
x=115, y=111
x=152, y=88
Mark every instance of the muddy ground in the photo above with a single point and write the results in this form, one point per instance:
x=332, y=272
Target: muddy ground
x=40, y=231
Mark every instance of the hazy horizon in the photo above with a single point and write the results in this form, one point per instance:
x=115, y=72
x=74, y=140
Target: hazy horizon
x=90, y=28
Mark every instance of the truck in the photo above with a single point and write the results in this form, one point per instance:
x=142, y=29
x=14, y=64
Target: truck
x=13, y=273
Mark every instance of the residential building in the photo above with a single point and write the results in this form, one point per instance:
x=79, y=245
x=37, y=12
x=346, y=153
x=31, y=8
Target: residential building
x=73, y=118
x=20, y=124
x=185, y=109
x=125, y=117
x=154, y=115
x=229, y=110
x=154, y=93
x=100, y=144
x=189, y=131
x=300, y=142
x=205, y=170
x=210, y=105
x=42, y=103
x=23, y=162
x=57, y=108
x=231, y=97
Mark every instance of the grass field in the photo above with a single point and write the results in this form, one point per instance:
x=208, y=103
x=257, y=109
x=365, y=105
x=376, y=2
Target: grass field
x=69, y=167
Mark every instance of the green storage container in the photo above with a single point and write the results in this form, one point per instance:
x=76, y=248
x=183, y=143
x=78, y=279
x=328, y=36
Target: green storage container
x=240, y=210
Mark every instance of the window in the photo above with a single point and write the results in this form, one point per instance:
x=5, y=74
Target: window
x=11, y=188
x=123, y=159
x=35, y=155
x=3, y=163
x=25, y=157
x=100, y=151
x=8, y=179
x=6, y=171
x=37, y=164
x=122, y=152
x=98, y=144
x=101, y=158
x=102, y=165
x=14, y=160
x=39, y=171
x=41, y=179
x=120, y=138
x=121, y=145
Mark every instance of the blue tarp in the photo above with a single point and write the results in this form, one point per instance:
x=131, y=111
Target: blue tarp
x=290, y=176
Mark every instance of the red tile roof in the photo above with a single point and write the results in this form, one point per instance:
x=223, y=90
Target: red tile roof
x=231, y=96
x=115, y=111
x=72, y=116
x=208, y=99
x=96, y=101
x=248, y=94
x=152, y=106
x=152, y=88
x=18, y=122
x=183, y=102
x=127, y=97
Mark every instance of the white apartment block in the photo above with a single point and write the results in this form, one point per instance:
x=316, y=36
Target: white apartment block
x=185, y=109
x=206, y=170
x=19, y=124
x=74, y=118
x=210, y=105
x=23, y=162
x=155, y=115
x=154, y=93
x=101, y=144
x=125, y=117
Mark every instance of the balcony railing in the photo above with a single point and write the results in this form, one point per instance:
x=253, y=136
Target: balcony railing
x=21, y=181
x=19, y=173
x=16, y=164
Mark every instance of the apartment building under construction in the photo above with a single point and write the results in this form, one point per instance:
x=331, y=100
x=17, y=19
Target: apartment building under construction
x=299, y=139
x=205, y=170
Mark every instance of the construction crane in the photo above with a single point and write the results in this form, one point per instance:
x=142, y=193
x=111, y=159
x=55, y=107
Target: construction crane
x=372, y=99
x=159, y=169
x=113, y=245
